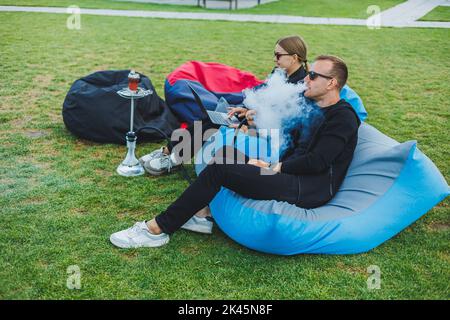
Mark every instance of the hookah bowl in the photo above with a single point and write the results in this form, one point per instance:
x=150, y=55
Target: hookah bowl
x=131, y=167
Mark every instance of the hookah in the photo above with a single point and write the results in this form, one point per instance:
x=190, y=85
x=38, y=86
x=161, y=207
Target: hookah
x=131, y=167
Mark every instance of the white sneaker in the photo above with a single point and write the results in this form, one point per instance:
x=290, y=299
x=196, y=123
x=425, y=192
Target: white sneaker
x=196, y=224
x=160, y=165
x=138, y=236
x=152, y=155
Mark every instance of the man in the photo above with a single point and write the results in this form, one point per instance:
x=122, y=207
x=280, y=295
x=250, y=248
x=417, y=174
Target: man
x=308, y=175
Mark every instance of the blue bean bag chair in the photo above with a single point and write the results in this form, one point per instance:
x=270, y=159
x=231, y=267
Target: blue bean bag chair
x=389, y=185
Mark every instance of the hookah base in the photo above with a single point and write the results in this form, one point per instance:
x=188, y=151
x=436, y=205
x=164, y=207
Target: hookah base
x=130, y=171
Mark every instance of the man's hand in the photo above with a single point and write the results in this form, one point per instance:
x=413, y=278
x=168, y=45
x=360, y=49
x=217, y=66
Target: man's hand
x=263, y=164
x=258, y=163
x=277, y=167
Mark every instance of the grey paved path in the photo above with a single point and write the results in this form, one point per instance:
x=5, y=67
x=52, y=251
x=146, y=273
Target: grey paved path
x=408, y=12
x=210, y=4
x=402, y=15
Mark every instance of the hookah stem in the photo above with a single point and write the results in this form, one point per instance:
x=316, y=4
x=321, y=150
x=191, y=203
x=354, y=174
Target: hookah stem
x=132, y=113
x=183, y=169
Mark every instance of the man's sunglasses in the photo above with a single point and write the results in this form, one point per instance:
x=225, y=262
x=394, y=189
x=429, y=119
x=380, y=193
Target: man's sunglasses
x=313, y=75
x=279, y=55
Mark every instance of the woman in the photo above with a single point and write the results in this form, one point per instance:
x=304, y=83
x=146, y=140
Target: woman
x=290, y=55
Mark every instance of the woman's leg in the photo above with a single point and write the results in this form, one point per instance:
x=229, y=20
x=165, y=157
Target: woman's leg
x=185, y=143
x=202, y=127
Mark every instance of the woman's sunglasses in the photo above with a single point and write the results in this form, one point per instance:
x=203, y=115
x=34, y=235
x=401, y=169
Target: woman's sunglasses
x=313, y=75
x=279, y=55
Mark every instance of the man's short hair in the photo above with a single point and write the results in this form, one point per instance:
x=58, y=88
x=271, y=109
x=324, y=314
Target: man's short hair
x=339, y=69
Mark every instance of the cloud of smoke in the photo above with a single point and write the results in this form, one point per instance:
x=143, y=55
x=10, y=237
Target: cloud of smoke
x=280, y=106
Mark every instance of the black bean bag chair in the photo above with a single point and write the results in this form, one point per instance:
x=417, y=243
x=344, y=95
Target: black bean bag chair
x=94, y=111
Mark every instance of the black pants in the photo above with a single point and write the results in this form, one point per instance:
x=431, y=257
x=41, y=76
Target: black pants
x=244, y=179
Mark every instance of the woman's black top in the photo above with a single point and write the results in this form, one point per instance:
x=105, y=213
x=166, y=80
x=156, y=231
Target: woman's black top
x=297, y=76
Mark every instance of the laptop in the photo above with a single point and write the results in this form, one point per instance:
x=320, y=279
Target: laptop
x=220, y=118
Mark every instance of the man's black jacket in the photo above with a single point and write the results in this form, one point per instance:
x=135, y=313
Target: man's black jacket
x=321, y=164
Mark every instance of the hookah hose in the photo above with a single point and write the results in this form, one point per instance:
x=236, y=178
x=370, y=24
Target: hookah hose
x=183, y=169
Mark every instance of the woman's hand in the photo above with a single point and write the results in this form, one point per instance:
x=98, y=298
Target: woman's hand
x=250, y=115
x=258, y=163
x=240, y=110
x=243, y=128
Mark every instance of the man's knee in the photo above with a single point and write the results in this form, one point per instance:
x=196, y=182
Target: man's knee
x=216, y=171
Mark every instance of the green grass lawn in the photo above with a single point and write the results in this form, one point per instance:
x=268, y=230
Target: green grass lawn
x=441, y=13
x=318, y=8
x=60, y=197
